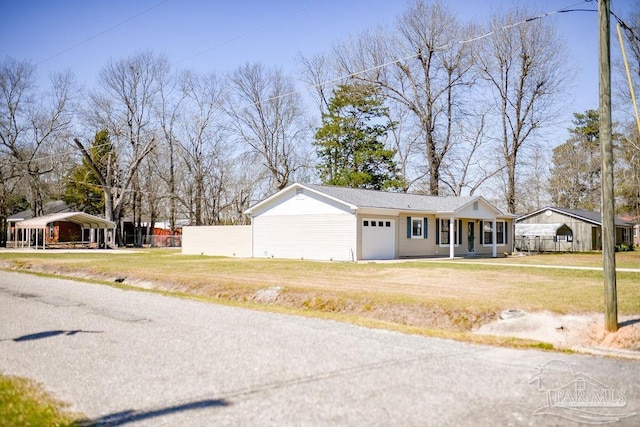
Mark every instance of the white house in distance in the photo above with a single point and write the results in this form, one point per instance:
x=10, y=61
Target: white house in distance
x=345, y=224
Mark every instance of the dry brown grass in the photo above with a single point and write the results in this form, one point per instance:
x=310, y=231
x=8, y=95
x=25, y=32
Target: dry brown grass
x=435, y=294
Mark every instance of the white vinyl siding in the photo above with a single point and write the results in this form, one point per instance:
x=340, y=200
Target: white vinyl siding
x=412, y=247
x=315, y=237
x=231, y=240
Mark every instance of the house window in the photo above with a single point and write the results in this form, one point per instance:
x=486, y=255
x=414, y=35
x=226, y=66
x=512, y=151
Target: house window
x=51, y=229
x=387, y=224
x=444, y=232
x=416, y=228
x=373, y=223
x=475, y=206
x=380, y=224
x=487, y=233
x=625, y=235
x=365, y=223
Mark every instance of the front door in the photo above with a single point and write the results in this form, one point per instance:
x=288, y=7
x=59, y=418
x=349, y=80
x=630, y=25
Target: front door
x=471, y=237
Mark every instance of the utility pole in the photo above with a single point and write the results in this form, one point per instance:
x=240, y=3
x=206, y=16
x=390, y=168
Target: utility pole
x=607, y=206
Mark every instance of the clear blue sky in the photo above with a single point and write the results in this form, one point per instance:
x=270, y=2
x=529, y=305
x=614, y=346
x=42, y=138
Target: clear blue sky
x=220, y=35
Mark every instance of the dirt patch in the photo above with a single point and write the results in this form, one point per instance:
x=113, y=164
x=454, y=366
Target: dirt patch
x=575, y=332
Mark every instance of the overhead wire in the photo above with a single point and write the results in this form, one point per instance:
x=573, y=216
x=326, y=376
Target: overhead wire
x=566, y=9
x=251, y=31
x=101, y=33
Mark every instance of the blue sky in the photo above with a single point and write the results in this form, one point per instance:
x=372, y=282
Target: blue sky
x=221, y=35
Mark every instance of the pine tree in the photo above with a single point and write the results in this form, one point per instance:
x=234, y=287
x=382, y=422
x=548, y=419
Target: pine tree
x=575, y=175
x=82, y=187
x=350, y=142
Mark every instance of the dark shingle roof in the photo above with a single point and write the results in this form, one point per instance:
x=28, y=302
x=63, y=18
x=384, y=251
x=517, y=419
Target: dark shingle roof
x=399, y=201
x=53, y=207
x=585, y=215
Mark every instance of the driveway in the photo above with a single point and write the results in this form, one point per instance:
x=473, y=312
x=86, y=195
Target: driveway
x=136, y=358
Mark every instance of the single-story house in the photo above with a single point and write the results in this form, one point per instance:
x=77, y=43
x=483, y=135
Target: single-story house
x=52, y=207
x=635, y=220
x=565, y=230
x=347, y=224
x=65, y=227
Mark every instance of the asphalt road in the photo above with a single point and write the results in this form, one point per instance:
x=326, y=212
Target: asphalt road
x=135, y=358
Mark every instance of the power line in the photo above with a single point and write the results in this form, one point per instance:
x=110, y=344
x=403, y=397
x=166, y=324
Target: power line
x=251, y=31
x=565, y=9
x=101, y=33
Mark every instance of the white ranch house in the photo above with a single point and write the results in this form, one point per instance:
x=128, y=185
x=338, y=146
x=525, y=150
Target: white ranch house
x=344, y=224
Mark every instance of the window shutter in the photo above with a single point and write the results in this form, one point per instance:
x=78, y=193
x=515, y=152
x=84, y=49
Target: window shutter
x=482, y=232
x=459, y=231
x=408, y=227
x=506, y=233
x=437, y=231
x=425, y=229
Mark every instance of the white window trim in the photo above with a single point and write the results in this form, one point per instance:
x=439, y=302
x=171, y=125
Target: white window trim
x=421, y=220
x=455, y=233
x=504, y=227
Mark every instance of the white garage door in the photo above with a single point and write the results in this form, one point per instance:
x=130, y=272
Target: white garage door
x=378, y=238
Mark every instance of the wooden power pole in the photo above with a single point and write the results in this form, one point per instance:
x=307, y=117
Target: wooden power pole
x=606, y=144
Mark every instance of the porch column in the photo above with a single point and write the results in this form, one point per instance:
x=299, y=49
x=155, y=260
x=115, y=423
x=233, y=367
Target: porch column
x=494, y=236
x=452, y=235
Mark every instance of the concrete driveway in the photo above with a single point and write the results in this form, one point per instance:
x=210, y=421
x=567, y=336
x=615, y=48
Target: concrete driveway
x=136, y=358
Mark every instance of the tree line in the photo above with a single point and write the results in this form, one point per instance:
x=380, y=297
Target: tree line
x=430, y=104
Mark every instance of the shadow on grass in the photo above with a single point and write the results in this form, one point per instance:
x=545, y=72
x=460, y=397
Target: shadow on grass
x=131, y=416
x=49, y=334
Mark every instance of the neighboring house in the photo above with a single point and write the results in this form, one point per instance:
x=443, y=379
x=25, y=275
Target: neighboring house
x=565, y=230
x=636, y=227
x=75, y=228
x=336, y=223
x=13, y=233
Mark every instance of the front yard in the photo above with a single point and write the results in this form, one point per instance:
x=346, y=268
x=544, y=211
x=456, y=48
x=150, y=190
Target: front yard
x=438, y=297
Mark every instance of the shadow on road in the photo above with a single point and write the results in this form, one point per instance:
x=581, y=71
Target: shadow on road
x=130, y=416
x=49, y=334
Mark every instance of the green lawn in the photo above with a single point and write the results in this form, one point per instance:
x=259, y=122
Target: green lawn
x=470, y=285
x=24, y=403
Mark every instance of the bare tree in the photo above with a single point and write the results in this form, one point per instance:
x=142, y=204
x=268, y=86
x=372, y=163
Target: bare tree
x=125, y=106
x=266, y=113
x=33, y=124
x=169, y=106
x=422, y=66
x=525, y=67
x=318, y=73
x=469, y=162
x=202, y=144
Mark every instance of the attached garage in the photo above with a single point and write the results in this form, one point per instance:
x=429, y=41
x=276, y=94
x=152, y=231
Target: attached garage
x=304, y=225
x=317, y=222
x=378, y=238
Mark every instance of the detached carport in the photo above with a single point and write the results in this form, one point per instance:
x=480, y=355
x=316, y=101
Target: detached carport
x=84, y=220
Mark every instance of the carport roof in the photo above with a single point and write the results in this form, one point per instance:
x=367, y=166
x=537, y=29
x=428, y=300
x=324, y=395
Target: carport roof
x=83, y=219
x=542, y=230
